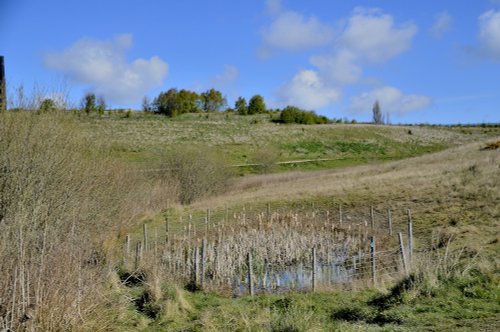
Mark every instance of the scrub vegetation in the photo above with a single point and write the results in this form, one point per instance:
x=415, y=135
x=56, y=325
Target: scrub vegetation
x=72, y=186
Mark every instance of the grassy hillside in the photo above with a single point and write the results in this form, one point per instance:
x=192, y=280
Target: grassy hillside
x=70, y=191
x=246, y=139
x=455, y=199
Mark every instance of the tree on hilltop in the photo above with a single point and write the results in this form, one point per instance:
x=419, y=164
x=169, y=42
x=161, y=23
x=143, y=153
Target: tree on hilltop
x=146, y=104
x=256, y=105
x=174, y=102
x=101, y=105
x=89, y=103
x=377, y=113
x=241, y=106
x=212, y=101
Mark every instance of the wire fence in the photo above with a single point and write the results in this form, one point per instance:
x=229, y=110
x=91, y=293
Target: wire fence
x=276, y=247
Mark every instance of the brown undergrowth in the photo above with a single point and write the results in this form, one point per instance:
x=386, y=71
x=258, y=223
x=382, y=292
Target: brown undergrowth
x=61, y=201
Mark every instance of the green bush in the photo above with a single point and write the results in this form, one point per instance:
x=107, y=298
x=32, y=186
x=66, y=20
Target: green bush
x=47, y=105
x=292, y=114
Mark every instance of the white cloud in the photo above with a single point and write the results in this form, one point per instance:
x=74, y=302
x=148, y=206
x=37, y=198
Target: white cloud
x=226, y=78
x=373, y=36
x=369, y=37
x=273, y=7
x=102, y=65
x=442, y=24
x=391, y=100
x=489, y=34
x=306, y=90
x=340, y=68
x=292, y=31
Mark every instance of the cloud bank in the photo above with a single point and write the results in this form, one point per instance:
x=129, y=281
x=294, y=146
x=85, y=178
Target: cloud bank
x=307, y=90
x=489, y=34
x=291, y=31
x=373, y=36
x=102, y=65
x=391, y=100
x=369, y=37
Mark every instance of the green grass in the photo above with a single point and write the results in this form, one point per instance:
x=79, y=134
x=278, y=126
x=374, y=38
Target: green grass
x=144, y=138
x=462, y=304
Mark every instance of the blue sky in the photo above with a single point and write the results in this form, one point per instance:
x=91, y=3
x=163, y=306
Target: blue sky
x=425, y=61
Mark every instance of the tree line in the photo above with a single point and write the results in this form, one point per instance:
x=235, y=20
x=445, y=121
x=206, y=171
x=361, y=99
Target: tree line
x=175, y=102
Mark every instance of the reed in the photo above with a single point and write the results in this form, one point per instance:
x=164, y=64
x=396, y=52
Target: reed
x=279, y=240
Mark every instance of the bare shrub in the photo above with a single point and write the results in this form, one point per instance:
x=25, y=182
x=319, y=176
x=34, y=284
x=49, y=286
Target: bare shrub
x=265, y=159
x=21, y=99
x=60, y=199
x=197, y=172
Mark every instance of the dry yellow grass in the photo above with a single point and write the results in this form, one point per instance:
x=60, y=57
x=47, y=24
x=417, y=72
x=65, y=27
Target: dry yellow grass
x=454, y=192
x=61, y=204
x=410, y=175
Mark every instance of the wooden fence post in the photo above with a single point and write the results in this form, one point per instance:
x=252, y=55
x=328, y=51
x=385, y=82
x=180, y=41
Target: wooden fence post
x=314, y=269
x=410, y=239
x=138, y=254
x=373, y=262
x=126, y=250
x=250, y=274
x=196, y=262
x=203, y=262
x=402, y=252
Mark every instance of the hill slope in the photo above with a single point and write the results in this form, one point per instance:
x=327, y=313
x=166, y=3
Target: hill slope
x=242, y=139
x=455, y=199
x=458, y=188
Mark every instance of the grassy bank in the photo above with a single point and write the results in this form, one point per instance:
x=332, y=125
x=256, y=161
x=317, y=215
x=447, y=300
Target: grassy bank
x=144, y=139
x=463, y=302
